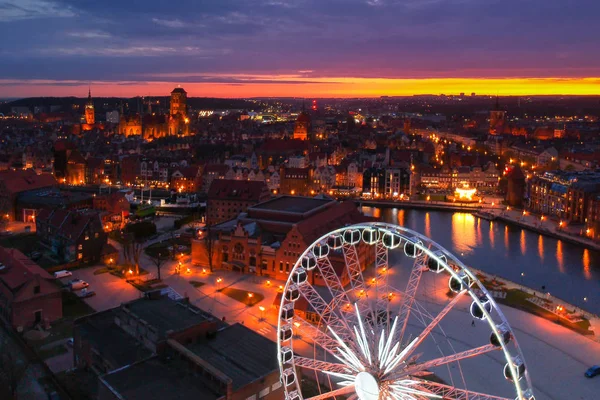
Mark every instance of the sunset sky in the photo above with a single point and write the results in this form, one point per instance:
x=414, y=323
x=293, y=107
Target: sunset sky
x=304, y=48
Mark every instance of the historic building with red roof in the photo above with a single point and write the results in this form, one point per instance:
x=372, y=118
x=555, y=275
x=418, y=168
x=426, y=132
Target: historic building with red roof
x=229, y=197
x=28, y=295
x=13, y=183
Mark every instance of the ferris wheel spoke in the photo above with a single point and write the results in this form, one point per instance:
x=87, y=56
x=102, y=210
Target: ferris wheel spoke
x=450, y=392
x=322, y=366
x=410, y=292
x=446, y=360
x=323, y=340
x=357, y=282
x=326, y=311
x=337, y=392
x=332, y=281
x=425, y=333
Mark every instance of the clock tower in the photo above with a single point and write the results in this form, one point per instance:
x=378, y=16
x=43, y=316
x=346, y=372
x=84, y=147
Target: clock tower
x=90, y=117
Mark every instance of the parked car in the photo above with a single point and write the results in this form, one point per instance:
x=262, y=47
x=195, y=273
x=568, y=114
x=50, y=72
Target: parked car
x=62, y=274
x=70, y=342
x=85, y=293
x=592, y=371
x=36, y=255
x=77, y=284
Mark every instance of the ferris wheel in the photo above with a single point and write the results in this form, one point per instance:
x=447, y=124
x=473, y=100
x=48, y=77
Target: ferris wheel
x=345, y=330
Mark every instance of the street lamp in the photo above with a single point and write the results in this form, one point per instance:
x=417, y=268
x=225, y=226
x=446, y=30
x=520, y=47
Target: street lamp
x=262, y=313
x=268, y=283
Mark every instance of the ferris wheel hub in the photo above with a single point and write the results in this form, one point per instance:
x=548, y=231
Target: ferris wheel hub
x=366, y=386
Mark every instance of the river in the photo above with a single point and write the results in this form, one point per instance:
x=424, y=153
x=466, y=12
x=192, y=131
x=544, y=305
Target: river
x=567, y=271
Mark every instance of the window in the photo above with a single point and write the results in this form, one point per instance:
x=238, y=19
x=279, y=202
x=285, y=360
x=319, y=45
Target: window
x=87, y=237
x=36, y=289
x=79, y=256
x=280, y=266
x=287, y=267
x=96, y=235
x=80, y=247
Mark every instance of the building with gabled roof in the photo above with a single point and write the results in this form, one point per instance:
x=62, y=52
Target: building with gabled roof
x=72, y=236
x=13, y=183
x=28, y=295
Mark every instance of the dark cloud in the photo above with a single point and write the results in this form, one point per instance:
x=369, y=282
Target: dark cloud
x=128, y=40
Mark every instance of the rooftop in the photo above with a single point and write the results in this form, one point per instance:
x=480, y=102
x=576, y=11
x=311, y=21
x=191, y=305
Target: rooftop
x=166, y=314
x=116, y=345
x=153, y=379
x=53, y=197
x=240, y=353
x=292, y=204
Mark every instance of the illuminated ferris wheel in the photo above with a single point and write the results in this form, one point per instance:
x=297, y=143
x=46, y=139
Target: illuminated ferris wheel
x=346, y=331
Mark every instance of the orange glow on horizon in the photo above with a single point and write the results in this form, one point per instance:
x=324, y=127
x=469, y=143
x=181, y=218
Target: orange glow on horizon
x=294, y=85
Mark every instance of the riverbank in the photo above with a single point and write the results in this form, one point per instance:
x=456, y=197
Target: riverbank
x=535, y=224
x=551, y=312
x=420, y=205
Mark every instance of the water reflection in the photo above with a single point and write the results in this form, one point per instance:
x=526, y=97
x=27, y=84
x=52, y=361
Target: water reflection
x=507, y=251
x=560, y=256
x=464, y=237
x=401, y=217
x=587, y=273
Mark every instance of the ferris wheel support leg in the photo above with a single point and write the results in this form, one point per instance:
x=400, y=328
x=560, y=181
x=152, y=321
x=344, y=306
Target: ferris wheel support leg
x=448, y=359
x=449, y=392
x=337, y=392
x=410, y=292
x=425, y=333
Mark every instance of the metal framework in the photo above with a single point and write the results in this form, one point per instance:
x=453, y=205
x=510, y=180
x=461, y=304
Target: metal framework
x=360, y=337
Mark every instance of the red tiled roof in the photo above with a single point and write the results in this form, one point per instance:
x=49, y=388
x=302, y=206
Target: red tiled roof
x=237, y=189
x=19, y=269
x=335, y=217
x=218, y=168
x=283, y=146
x=22, y=180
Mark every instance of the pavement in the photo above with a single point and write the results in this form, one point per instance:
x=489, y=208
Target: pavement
x=556, y=356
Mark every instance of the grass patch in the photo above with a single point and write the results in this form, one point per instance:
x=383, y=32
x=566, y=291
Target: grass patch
x=518, y=299
x=197, y=284
x=242, y=296
x=52, y=352
x=163, y=247
x=74, y=307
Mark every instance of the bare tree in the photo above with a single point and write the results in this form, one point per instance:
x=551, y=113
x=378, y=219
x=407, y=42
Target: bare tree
x=12, y=371
x=209, y=243
x=132, y=251
x=159, y=259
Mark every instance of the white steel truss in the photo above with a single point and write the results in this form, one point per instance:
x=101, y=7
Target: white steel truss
x=317, y=365
x=326, y=311
x=337, y=392
x=449, y=392
x=411, y=290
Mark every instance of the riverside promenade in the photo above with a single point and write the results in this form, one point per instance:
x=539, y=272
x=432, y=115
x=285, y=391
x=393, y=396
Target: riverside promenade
x=539, y=224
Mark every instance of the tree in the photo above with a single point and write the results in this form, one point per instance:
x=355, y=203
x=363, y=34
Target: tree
x=159, y=259
x=132, y=251
x=12, y=371
x=209, y=243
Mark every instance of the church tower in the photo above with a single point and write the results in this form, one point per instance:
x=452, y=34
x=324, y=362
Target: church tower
x=90, y=117
x=302, y=126
x=497, y=119
x=179, y=102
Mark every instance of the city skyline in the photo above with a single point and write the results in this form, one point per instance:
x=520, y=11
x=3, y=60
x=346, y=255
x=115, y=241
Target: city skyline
x=357, y=48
